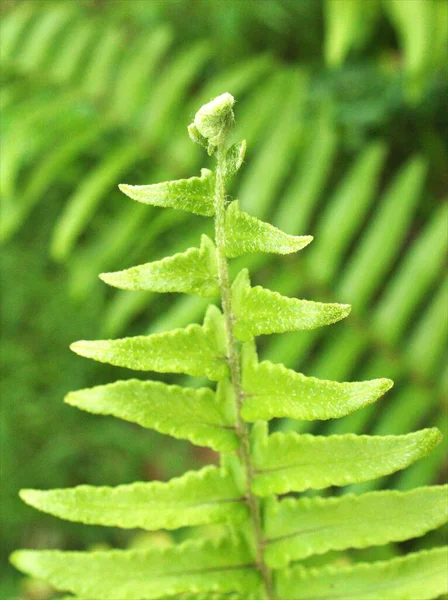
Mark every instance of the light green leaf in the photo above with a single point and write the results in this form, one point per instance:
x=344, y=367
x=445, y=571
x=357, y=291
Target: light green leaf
x=235, y=158
x=193, y=195
x=286, y=462
x=348, y=24
x=84, y=201
x=296, y=529
x=194, y=271
x=213, y=596
x=414, y=27
x=418, y=576
x=193, y=566
x=245, y=233
x=196, y=350
x=198, y=497
x=273, y=391
x=260, y=311
x=194, y=596
x=367, y=268
x=200, y=415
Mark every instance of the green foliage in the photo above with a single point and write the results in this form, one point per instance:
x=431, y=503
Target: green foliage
x=254, y=464
x=75, y=87
x=298, y=528
x=196, y=350
x=259, y=311
x=245, y=233
x=273, y=391
x=421, y=575
x=193, y=195
x=134, y=574
x=198, y=497
x=200, y=415
x=290, y=462
x=192, y=272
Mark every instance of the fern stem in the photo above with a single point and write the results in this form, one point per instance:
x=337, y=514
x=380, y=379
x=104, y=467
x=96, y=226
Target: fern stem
x=235, y=375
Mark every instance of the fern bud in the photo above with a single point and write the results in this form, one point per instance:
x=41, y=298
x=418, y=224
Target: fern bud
x=213, y=121
x=196, y=136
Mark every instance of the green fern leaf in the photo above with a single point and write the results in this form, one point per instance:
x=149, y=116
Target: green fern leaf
x=259, y=311
x=193, y=566
x=193, y=195
x=198, y=497
x=271, y=391
x=200, y=415
x=296, y=529
x=203, y=596
x=213, y=596
x=245, y=233
x=196, y=350
x=420, y=576
x=192, y=272
x=82, y=204
x=287, y=462
x=235, y=158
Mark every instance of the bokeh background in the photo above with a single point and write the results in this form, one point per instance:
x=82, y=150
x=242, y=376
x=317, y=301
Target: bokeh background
x=343, y=105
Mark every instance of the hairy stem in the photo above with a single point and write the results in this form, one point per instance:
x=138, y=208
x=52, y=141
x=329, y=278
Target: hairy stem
x=234, y=366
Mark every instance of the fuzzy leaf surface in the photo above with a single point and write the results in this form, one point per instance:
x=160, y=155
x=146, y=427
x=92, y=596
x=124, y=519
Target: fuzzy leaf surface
x=196, y=350
x=418, y=576
x=245, y=233
x=193, y=195
x=199, y=415
x=153, y=573
x=273, y=391
x=194, y=271
x=196, y=498
x=260, y=311
x=235, y=158
x=296, y=529
x=286, y=462
x=214, y=596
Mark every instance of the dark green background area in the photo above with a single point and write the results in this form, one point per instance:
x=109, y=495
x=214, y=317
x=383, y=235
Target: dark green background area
x=342, y=104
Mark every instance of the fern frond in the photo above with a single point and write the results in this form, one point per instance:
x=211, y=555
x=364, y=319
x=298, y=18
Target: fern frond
x=296, y=529
x=83, y=203
x=272, y=391
x=260, y=311
x=192, y=195
x=196, y=350
x=263, y=534
x=193, y=566
x=193, y=272
x=286, y=462
x=421, y=575
x=200, y=415
x=196, y=498
x=245, y=233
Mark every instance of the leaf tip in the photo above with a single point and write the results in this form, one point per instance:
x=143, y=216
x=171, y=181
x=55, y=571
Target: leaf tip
x=384, y=385
x=70, y=398
x=124, y=187
x=434, y=436
x=22, y=560
x=83, y=348
x=29, y=496
x=346, y=309
x=76, y=347
x=14, y=558
x=107, y=278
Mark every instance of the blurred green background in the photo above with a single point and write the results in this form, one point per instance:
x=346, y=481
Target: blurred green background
x=343, y=105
